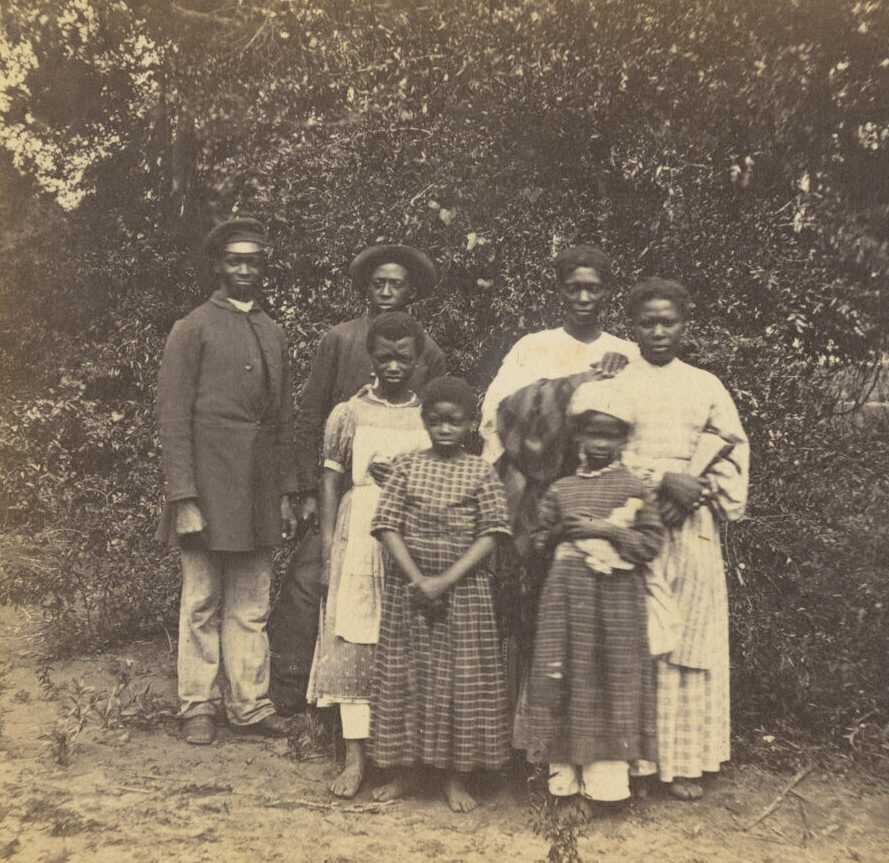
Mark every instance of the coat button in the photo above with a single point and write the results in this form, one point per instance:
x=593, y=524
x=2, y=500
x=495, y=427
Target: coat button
x=249, y=367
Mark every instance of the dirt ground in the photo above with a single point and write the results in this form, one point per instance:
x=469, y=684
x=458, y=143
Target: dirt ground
x=134, y=792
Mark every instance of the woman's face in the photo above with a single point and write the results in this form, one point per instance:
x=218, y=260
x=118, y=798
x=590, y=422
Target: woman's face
x=389, y=288
x=583, y=293
x=659, y=328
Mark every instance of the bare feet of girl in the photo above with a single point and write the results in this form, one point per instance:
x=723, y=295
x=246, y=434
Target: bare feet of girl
x=400, y=785
x=351, y=776
x=686, y=789
x=459, y=799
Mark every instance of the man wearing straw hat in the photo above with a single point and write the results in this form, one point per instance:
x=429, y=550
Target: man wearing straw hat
x=388, y=278
x=226, y=420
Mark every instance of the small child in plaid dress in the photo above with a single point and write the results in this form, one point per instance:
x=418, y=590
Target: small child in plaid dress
x=591, y=707
x=439, y=690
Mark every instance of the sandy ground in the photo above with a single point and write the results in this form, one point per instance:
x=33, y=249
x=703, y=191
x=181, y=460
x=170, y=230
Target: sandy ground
x=134, y=792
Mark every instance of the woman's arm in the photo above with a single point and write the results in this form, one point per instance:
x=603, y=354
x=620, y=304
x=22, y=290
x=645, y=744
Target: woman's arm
x=435, y=586
x=331, y=485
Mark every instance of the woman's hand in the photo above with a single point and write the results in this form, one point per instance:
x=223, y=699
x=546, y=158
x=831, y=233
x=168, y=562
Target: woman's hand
x=581, y=526
x=678, y=495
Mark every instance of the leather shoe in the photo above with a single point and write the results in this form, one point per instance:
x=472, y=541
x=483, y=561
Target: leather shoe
x=199, y=730
x=270, y=726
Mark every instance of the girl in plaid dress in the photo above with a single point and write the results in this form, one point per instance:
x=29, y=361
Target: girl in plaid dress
x=591, y=690
x=439, y=692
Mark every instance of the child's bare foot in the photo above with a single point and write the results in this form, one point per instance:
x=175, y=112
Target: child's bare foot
x=459, y=799
x=400, y=785
x=574, y=811
x=686, y=789
x=351, y=776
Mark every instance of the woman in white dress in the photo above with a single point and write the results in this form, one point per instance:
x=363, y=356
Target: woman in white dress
x=688, y=443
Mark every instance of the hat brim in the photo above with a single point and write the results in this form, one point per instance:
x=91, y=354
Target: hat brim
x=421, y=269
x=217, y=237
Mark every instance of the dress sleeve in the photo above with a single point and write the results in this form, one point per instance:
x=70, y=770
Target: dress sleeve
x=390, y=508
x=642, y=541
x=314, y=405
x=509, y=378
x=727, y=478
x=338, y=435
x=493, y=516
x=549, y=516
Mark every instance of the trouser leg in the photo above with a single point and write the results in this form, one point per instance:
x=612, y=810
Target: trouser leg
x=355, y=718
x=199, y=639
x=245, y=644
x=293, y=627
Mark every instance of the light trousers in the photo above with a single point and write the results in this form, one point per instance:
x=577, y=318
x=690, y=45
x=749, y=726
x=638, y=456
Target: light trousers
x=223, y=613
x=607, y=781
x=355, y=717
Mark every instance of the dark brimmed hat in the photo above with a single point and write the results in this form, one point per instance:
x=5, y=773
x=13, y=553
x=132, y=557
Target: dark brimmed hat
x=421, y=269
x=244, y=229
x=568, y=260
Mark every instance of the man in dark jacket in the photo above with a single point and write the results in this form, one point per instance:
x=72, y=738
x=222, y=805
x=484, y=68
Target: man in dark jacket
x=388, y=277
x=226, y=419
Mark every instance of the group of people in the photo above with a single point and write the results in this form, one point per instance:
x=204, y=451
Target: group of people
x=606, y=469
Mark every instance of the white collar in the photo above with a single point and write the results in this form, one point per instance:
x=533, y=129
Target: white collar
x=240, y=305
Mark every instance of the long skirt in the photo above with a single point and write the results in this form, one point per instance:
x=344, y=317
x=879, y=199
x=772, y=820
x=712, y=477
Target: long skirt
x=439, y=689
x=591, y=690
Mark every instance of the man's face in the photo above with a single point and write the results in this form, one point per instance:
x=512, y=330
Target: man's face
x=659, y=328
x=389, y=288
x=240, y=273
x=583, y=293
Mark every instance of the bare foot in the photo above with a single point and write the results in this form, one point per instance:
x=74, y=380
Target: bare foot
x=574, y=811
x=686, y=789
x=459, y=799
x=401, y=784
x=351, y=776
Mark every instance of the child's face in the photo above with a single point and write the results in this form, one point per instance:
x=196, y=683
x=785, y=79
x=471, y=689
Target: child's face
x=393, y=363
x=447, y=425
x=601, y=438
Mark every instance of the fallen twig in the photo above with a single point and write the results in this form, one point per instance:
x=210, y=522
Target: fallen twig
x=357, y=809
x=801, y=774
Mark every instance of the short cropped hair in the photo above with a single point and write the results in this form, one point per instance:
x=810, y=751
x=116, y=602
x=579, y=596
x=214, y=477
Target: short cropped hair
x=656, y=288
x=584, y=255
x=449, y=389
x=395, y=326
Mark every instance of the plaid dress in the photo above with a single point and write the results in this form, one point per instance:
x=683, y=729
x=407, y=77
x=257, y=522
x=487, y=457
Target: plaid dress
x=439, y=690
x=591, y=690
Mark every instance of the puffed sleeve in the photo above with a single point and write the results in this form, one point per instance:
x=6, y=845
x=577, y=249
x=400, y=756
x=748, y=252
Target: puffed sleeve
x=549, y=516
x=339, y=432
x=510, y=377
x=390, y=507
x=727, y=478
x=493, y=516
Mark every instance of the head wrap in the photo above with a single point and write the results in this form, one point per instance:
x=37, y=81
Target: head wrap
x=568, y=260
x=605, y=397
x=236, y=231
x=420, y=269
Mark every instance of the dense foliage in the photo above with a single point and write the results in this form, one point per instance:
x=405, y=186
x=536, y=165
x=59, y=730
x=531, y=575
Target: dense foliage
x=740, y=146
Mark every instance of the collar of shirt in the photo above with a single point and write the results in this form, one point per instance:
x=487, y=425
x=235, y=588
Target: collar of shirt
x=240, y=305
